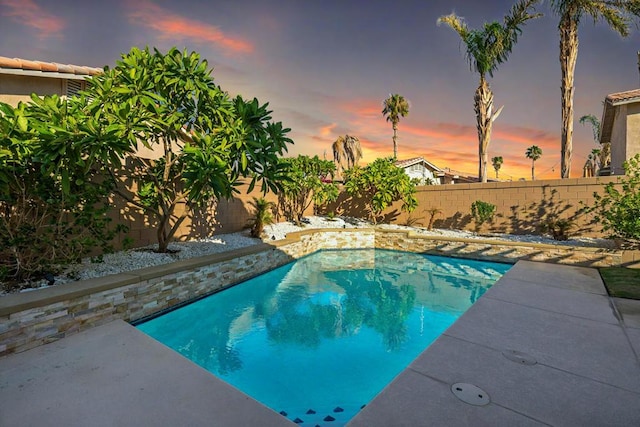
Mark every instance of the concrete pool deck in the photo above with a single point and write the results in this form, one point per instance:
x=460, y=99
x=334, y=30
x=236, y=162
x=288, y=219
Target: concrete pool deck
x=585, y=346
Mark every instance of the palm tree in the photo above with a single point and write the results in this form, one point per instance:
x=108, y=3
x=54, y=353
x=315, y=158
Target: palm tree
x=262, y=215
x=486, y=49
x=601, y=157
x=534, y=153
x=346, y=150
x=497, y=164
x=395, y=106
x=617, y=14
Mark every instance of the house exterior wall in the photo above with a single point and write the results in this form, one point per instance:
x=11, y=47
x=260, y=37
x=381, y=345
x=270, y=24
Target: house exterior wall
x=15, y=88
x=633, y=130
x=420, y=172
x=619, y=140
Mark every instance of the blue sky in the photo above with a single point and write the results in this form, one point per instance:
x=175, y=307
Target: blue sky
x=326, y=66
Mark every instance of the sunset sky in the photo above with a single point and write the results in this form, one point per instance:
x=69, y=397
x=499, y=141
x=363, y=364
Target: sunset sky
x=326, y=66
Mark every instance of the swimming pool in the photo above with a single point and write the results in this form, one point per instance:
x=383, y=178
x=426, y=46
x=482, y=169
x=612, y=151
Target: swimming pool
x=318, y=338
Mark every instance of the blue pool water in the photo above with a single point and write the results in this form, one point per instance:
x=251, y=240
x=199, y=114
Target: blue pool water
x=317, y=339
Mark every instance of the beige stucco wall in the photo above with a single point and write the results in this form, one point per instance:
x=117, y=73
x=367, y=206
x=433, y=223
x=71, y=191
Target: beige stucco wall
x=619, y=140
x=14, y=89
x=633, y=129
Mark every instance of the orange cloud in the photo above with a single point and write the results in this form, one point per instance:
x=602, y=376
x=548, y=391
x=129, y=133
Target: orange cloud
x=327, y=130
x=171, y=25
x=27, y=12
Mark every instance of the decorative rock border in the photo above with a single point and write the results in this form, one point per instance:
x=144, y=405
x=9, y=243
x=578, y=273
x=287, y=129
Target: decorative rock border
x=30, y=319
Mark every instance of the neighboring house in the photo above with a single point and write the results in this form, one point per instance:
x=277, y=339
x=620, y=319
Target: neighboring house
x=19, y=78
x=620, y=126
x=425, y=171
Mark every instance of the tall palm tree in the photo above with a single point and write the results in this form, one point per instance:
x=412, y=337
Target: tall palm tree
x=395, y=106
x=618, y=15
x=497, y=164
x=346, y=152
x=534, y=153
x=487, y=48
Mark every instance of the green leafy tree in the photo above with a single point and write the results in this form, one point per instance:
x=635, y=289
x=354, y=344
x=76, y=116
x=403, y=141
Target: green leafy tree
x=534, y=153
x=486, y=48
x=618, y=15
x=307, y=181
x=394, y=107
x=262, y=215
x=379, y=184
x=497, y=164
x=202, y=142
x=618, y=210
x=53, y=191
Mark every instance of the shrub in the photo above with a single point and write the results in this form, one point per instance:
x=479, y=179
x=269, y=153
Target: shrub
x=379, y=184
x=619, y=210
x=53, y=198
x=306, y=180
x=558, y=227
x=482, y=212
x=262, y=216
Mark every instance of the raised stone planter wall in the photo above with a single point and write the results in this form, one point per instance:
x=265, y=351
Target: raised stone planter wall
x=34, y=318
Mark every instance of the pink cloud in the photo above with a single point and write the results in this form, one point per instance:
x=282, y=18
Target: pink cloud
x=171, y=26
x=27, y=12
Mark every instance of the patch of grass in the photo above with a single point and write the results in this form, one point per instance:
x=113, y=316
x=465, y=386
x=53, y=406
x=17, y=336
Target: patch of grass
x=622, y=282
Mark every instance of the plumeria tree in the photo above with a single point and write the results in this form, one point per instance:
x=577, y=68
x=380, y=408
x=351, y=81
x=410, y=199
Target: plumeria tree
x=379, y=184
x=486, y=49
x=201, y=142
x=307, y=181
x=54, y=196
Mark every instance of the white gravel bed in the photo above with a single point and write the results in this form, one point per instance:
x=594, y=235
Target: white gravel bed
x=134, y=259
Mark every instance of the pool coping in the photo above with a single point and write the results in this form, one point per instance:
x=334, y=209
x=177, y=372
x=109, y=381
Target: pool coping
x=97, y=374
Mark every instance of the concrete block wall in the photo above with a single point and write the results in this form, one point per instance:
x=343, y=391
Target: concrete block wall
x=521, y=206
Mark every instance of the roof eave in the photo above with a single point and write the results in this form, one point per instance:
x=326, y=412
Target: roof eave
x=45, y=74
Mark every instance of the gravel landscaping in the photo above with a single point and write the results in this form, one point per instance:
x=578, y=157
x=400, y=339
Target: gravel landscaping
x=134, y=259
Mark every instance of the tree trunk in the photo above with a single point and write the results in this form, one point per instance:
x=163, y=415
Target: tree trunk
x=395, y=144
x=483, y=105
x=533, y=170
x=568, y=54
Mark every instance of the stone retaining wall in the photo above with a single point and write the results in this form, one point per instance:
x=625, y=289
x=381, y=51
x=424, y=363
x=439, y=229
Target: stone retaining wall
x=33, y=318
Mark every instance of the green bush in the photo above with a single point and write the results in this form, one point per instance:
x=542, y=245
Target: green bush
x=619, y=210
x=306, y=180
x=482, y=212
x=558, y=227
x=379, y=184
x=53, y=200
x=262, y=215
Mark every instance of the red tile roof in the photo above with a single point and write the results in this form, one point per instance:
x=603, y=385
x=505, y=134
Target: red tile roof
x=611, y=102
x=620, y=97
x=47, y=67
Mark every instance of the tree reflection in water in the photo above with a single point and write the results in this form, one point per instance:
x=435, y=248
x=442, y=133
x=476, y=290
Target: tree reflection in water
x=325, y=296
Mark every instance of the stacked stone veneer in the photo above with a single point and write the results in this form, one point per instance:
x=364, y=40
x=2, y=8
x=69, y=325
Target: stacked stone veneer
x=34, y=318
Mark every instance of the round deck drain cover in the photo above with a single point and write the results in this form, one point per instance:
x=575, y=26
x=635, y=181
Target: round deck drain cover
x=471, y=394
x=519, y=357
